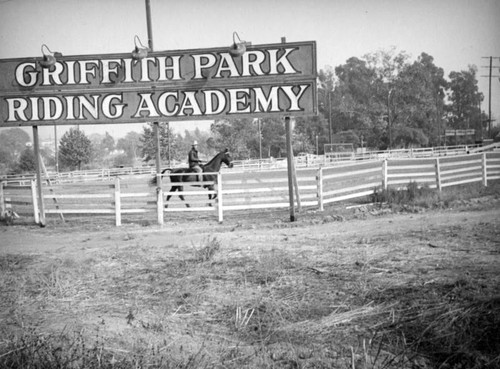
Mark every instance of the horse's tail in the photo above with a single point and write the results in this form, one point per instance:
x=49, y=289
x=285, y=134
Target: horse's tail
x=154, y=181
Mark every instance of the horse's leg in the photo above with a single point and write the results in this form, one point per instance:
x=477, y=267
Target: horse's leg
x=181, y=188
x=210, y=196
x=173, y=189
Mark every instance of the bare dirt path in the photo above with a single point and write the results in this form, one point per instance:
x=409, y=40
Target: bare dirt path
x=252, y=231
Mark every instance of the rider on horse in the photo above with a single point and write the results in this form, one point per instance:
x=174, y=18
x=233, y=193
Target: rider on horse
x=194, y=161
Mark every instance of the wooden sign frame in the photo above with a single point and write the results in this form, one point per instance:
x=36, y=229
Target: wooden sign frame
x=267, y=80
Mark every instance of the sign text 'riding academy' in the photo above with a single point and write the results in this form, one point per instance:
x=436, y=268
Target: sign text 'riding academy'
x=276, y=79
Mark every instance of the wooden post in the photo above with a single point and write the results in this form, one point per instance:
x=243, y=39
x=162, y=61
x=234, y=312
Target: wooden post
x=219, y=197
x=438, y=175
x=290, y=166
x=159, y=201
x=319, y=179
x=118, y=203
x=296, y=185
x=38, y=175
x=384, y=174
x=159, y=191
x=35, y=201
x=2, y=200
x=485, y=170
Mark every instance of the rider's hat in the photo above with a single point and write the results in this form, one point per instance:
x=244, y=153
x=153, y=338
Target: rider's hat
x=195, y=143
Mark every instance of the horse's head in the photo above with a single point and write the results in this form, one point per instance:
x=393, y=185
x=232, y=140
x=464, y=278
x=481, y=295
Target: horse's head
x=226, y=158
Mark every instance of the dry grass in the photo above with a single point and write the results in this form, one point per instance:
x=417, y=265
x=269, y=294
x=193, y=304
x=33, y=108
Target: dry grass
x=420, y=298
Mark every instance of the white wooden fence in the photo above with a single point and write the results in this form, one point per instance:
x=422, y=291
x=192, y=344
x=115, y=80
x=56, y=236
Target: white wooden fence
x=244, y=190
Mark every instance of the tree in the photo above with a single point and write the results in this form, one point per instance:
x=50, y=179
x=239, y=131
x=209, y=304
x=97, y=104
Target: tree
x=75, y=149
x=234, y=135
x=241, y=137
x=356, y=100
x=12, y=143
x=311, y=131
x=103, y=146
x=26, y=161
x=131, y=146
x=205, y=146
x=148, y=142
x=415, y=104
x=326, y=84
x=388, y=100
x=463, y=110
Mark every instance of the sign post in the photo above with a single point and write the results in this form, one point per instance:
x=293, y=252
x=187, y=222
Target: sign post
x=289, y=158
x=38, y=157
x=156, y=126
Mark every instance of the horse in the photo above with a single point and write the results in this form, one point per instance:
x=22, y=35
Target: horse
x=189, y=175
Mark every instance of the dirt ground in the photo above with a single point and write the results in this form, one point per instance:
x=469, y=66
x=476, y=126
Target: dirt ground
x=312, y=293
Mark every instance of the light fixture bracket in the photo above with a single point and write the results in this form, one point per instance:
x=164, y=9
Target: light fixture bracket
x=140, y=51
x=49, y=57
x=238, y=48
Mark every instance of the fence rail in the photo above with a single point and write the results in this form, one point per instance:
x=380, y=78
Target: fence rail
x=244, y=190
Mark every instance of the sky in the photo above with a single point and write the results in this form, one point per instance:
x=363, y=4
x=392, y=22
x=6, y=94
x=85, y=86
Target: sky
x=457, y=33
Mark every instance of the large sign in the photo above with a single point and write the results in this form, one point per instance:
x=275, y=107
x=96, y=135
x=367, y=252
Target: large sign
x=275, y=79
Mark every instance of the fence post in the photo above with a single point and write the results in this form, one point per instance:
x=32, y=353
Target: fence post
x=485, y=170
x=35, y=201
x=2, y=200
x=219, y=197
x=319, y=180
x=159, y=198
x=438, y=175
x=384, y=174
x=118, y=203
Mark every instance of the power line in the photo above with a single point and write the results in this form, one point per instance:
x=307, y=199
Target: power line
x=489, y=88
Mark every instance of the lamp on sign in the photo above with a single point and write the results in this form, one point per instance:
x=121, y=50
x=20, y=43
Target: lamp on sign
x=140, y=51
x=49, y=57
x=238, y=48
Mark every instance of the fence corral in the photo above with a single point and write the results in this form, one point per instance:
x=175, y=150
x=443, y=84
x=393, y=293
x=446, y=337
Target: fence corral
x=247, y=190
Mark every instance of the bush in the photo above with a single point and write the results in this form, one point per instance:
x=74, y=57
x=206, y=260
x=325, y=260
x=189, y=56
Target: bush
x=412, y=194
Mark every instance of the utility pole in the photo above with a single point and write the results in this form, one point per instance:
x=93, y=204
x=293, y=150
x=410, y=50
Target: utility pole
x=490, y=75
x=330, y=117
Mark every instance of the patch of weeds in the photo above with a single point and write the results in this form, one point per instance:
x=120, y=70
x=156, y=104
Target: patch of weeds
x=75, y=350
x=412, y=194
x=454, y=330
x=12, y=262
x=207, y=250
x=415, y=195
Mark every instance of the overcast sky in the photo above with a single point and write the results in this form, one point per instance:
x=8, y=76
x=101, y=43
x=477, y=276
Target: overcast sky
x=457, y=33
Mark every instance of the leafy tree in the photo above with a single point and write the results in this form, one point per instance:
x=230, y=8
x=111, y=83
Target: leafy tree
x=205, y=146
x=357, y=103
x=75, y=149
x=381, y=96
x=463, y=110
x=273, y=133
x=26, y=161
x=12, y=143
x=108, y=143
x=416, y=101
x=148, y=142
x=131, y=146
x=326, y=84
x=103, y=146
x=307, y=129
x=234, y=135
x=241, y=136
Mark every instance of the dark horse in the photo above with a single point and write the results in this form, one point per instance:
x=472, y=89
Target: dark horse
x=213, y=166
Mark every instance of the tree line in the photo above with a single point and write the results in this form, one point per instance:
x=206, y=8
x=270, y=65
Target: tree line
x=383, y=100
